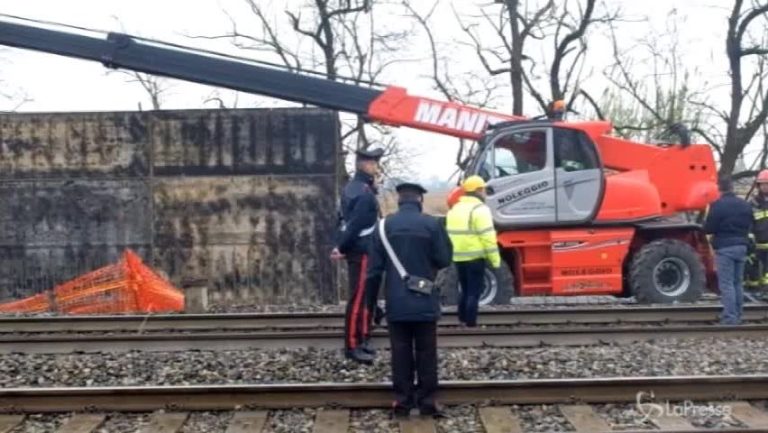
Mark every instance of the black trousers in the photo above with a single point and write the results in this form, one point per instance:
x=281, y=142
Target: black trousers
x=414, y=353
x=359, y=314
x=472, y=280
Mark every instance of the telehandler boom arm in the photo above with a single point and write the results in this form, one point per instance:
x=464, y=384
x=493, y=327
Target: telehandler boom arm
x=683, y=176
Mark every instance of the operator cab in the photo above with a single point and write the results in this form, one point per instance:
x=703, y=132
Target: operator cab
x=540, y=174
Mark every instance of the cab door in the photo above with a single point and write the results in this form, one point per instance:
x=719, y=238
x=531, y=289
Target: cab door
x=578, y=176
x=518, y=166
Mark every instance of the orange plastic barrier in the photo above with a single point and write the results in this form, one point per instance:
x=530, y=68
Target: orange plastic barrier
x=34, y=304
x=128, y=286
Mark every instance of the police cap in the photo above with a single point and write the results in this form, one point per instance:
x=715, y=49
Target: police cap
x=410, y=187
x=370, y=154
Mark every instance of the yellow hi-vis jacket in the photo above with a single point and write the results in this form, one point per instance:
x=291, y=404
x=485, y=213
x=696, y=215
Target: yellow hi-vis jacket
x=470, y=226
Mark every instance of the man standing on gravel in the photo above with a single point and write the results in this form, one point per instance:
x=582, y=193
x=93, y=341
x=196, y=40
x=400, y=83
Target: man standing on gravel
x=470, y=226
x=359, y=213
x=410, y=247
x=730, y=221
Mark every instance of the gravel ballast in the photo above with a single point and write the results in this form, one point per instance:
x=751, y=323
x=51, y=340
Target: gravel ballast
x=708, y=356
x=463, y=418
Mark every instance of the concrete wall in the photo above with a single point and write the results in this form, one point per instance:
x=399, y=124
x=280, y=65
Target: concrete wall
x=243, y=198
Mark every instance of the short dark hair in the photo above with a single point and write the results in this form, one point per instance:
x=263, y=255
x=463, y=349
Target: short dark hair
x=725, y=184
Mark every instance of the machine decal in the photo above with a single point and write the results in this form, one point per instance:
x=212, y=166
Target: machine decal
x=584, y=245
x=522, y=193
x=566, y=245
x=578, y=286
x=570, y=272
x=462, y=119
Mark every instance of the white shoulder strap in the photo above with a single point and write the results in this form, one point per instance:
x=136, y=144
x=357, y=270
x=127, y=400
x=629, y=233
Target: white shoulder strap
x=391, y=252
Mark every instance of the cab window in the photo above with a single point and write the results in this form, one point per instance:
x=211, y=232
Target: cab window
x=516, y=153
x=574, y=150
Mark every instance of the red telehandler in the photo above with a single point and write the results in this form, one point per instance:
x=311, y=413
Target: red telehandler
x=579, y=211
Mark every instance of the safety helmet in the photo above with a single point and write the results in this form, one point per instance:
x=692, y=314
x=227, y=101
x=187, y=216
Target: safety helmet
x=473, y=183
x=762, y=177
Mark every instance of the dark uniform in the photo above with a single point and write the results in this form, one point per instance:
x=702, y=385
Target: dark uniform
x=359, y=213
x=422, y=245
x=757, y=262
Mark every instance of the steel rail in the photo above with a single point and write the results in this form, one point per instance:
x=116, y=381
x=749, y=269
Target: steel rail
x=332, y=339
x=254, y=321
x=372, y=395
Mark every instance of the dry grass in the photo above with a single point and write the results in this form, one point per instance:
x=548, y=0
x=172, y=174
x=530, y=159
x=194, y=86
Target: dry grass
x=434, y=203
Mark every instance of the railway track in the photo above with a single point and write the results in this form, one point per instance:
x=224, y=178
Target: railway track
x=511, y=328
x=260, y=321
x=331, y=339
x=247, y=407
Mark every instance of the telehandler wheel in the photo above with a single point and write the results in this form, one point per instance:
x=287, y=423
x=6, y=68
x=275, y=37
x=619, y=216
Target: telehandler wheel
x=498, y=289
x=666, y=271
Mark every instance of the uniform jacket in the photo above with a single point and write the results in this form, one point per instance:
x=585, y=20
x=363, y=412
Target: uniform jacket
x=423, y=247
x=760, y=211
x=730, y=220
x=359, y=213
x=470, y=227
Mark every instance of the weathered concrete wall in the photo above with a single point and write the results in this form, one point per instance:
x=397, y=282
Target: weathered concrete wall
x=242, y=198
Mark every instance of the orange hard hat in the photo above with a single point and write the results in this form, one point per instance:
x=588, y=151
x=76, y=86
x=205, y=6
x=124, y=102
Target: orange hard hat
x=762, y=177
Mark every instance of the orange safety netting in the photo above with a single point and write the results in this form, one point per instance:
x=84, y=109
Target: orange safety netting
x=128, y=286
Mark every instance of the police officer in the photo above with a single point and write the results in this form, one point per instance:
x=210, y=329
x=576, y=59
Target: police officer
x=470, y=226
x=757, y=268
x=421, y=246
x=359, y=213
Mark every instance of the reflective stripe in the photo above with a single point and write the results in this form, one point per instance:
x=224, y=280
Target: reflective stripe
x=763, y=246
x=760, y=214
x=470, y=232
x=473, y=253
x=460, y=232
x=367, y=231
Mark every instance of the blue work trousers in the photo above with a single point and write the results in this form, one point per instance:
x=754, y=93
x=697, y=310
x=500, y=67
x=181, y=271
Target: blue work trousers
x=472, y=280
x=730, y=277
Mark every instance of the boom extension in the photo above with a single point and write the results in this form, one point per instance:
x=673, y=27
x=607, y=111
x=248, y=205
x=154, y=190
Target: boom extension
x=392, y=106
x=124, y=51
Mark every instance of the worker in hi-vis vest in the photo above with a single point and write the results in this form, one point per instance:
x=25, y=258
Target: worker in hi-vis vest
x=470, y=226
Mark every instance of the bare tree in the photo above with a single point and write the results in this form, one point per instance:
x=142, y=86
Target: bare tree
x=13, y=98
x=513, y=29
x=342, y=39
x=519, y=25
x=469, y=89
x=647, y=106
x=745, y=40
x=153, y=85
x=216, y=97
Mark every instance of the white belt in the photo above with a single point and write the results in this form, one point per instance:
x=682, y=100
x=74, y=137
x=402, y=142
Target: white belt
x=367, y=231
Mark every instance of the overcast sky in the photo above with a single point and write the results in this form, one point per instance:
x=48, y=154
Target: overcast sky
x=60, y=84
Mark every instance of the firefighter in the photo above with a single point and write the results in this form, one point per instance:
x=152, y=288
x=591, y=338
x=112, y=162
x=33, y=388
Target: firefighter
x=359, y=213
x=421, y=248
x=470, y=227
x=757, y=263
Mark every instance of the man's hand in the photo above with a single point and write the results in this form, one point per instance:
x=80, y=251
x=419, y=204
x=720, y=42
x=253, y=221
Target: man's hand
x=336, y=255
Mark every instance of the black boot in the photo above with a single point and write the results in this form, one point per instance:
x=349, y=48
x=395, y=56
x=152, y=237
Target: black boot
x=368, y=348
x=359, y=355
x=431, y=410
x=400, y=412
